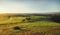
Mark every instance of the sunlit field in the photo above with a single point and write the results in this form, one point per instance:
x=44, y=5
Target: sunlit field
x=28, y=25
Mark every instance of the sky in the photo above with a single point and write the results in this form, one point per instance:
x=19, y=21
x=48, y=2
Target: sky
x=29, y=6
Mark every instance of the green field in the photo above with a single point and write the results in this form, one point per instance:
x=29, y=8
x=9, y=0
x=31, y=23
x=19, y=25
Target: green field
x=39, y=24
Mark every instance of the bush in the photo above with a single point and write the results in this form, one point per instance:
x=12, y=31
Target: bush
x=23, y=20
x=17, y=28
x=28, y=18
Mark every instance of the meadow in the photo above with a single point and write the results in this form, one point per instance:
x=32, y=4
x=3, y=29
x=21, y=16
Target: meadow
x=36, y=25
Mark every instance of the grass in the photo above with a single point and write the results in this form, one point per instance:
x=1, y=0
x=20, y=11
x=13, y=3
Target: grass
x=40, y=24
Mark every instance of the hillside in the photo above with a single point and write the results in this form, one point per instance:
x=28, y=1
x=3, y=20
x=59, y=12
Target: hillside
x=40, y=24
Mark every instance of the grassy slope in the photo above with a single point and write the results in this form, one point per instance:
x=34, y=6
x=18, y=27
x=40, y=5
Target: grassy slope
x=31, y=25
x=37, y=25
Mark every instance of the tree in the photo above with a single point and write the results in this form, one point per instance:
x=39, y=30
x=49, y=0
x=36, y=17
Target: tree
x=56, y=18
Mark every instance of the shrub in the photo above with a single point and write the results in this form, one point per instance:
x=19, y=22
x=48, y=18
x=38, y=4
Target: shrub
x=23, y=20
x=17, y=28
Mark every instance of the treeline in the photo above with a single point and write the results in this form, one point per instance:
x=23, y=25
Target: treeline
x=55, y=18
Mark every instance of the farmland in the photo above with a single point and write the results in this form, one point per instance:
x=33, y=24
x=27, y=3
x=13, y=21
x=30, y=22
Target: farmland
x=37, y=25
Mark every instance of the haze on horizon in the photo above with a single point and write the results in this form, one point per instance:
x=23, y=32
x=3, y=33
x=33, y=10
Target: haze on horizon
x=29, y=6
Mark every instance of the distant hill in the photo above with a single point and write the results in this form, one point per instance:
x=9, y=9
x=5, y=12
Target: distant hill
x=1, y=15
x=28, y=14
